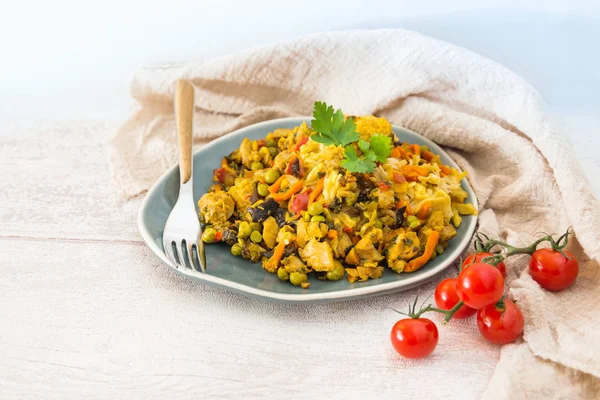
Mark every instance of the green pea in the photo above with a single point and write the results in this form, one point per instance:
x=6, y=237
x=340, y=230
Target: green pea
x=256, y=165
x=270, y=143
x=337, y=273
x=298, y=278
x=236, y=249
x=283, y=274
x=263, y=189
x=424, y=148
x=271, y=176
x=256, y=226
x=209, y=234
x=378, y=224
x=317, y=218
x=315, y=208
x=244, y=230
x=413, y=222
x=272, y=151
x=306, y=216
x=256, y=237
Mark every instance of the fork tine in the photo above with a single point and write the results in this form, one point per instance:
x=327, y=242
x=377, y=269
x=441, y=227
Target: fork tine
x=179, y=255
x=168, y=248
x=191, y=257
x=184, y=258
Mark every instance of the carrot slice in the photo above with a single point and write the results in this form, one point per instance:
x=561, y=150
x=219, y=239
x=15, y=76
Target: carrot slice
x=427, y=155
x=315, y=193
x=274, y=188
x=273, y=263
x=295, y=188
x=332, y=234
x=418, y=262
x=399, y=152
x=423, y=210
x=415, y=148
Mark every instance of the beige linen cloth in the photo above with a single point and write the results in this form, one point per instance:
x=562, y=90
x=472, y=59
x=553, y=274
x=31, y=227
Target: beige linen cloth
x=490, y=120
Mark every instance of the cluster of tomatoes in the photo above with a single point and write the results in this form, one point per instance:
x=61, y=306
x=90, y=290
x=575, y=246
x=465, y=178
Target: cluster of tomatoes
x=479, y=289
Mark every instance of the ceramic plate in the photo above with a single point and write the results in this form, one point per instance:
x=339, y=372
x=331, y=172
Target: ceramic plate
x=240, y=275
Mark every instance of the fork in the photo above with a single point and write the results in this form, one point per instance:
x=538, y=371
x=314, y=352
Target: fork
x=182, y=231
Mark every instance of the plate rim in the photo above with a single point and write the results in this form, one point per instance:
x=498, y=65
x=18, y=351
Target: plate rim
x=340, y=295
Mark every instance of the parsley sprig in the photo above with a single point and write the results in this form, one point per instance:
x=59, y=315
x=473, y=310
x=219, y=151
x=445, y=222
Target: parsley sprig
x=332, y=129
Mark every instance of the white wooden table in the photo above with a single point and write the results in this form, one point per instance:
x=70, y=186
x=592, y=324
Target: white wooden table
x=86, y=311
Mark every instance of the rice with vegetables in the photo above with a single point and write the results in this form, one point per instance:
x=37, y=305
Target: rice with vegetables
x=342, y=197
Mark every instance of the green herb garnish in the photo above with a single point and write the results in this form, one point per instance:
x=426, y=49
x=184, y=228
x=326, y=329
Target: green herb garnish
x=333, y=130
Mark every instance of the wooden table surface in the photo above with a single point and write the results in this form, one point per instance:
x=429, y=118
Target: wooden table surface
x=87, y=311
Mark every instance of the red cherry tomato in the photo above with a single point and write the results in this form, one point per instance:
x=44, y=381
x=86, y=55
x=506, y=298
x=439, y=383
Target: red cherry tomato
x=473, y=258
x=479, y=285
x=446, y=298
x=552, y=270
x=414, y=338
x=299, y=203
x=500, y=324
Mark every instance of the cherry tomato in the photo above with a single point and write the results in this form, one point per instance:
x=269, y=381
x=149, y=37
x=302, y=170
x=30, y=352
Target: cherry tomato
x=500, y=324
x=299, y=202
x=479, y=285
x=473, y=258
x=414, y=337
x=446, y=298
x=552, y=270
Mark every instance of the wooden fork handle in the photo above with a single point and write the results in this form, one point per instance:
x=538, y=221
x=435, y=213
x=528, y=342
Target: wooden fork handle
x=184, y=114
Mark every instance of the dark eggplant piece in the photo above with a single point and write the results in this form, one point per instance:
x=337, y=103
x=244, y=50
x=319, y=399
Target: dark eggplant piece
x=279, y=215
x=263, y=210
x=230, y=237
x=363, y=195
x=289, y=250
x=400, y=216
x=295, y=167
x=255, y=197
x=335, y=205
x=269, y=253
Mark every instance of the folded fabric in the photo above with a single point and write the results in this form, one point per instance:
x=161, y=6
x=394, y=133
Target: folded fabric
x=491, y=121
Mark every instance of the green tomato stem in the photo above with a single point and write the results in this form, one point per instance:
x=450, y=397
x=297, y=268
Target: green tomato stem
x=447, y=313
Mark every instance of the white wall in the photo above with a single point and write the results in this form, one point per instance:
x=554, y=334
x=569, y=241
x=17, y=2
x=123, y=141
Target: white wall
x=67, y=59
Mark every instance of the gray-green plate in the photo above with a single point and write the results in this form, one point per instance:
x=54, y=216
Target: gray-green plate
x=240, y=275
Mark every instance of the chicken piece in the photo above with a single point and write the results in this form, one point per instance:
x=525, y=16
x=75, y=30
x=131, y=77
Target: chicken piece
x=403, y=248
x=246, y=152
x=270, y=231
x=385, y=198
x=216, y=207
x=436, y=221
x=352, y=258
x=281, y=160
x=318, y=255
x=293, y=264
x=447, y=233
x=313, y=230
x=342, y=243
x=286, y=235
x=364, y=272
x=302, y=236
x=241, y=193
x=366, y=251
x=307, y=231
x=373, y=234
